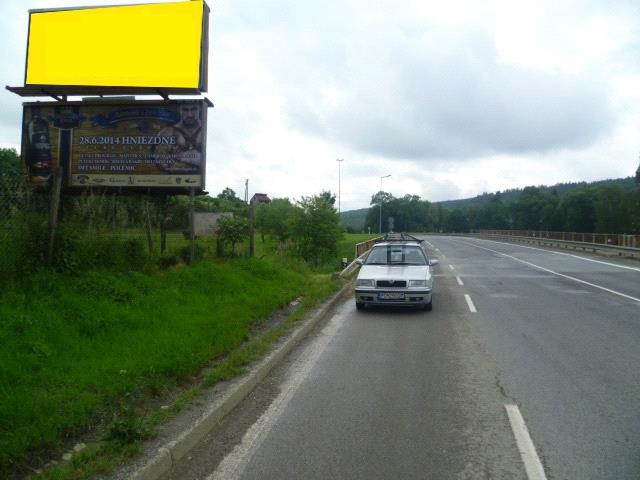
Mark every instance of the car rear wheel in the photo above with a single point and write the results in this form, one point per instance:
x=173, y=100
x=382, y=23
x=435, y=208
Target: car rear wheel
x=360, y=305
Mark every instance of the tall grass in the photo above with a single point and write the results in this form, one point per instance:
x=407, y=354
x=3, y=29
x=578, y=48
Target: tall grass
x=81, y=342
x=75, y=346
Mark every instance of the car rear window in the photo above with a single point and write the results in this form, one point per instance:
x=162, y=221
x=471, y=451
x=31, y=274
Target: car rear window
x=396, y=255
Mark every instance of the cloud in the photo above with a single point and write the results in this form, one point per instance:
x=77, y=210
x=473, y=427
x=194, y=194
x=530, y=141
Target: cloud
x=442, y=94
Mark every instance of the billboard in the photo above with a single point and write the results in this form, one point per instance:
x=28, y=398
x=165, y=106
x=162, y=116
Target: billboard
x=162, y=45
x=108, y=144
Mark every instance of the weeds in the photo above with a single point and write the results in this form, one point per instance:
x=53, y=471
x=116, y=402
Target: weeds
x=77, y=345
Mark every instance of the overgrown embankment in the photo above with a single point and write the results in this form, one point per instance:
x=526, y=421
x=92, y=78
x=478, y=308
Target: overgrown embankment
x=98, y=332
x=80, y=349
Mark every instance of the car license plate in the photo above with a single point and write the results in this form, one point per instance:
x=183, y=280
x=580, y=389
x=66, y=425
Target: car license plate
x=391, y=296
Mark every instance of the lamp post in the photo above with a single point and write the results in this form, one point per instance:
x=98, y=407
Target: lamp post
x=339, y=160
x=384, y=176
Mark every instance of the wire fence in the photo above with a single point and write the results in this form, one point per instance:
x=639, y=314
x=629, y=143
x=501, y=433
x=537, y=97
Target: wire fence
x=95, y=229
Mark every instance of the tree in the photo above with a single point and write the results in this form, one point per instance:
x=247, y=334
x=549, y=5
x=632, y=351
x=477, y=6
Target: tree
x=611, y=210
x=373, y=215
x=457, y=222
x=276, y=218
x=633, y=200
x=579, y=211
x=438, y=214
x=9, y=162
x=316, y=228
x=535, y=210
x=226, y=201
x=232, y=230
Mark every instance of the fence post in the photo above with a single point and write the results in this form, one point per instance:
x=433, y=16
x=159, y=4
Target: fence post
x=252, y=230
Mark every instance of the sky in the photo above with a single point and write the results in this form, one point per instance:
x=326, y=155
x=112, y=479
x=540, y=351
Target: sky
x=452, y=99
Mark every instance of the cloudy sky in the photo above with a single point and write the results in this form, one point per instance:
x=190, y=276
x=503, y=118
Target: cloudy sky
x=452, y=98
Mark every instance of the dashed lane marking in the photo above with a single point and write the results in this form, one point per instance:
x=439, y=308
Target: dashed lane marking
x=472, y=307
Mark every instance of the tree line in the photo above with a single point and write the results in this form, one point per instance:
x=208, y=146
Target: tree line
x=307, y=228
x=596, y=208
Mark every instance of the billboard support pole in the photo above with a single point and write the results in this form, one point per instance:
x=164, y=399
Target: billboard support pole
x=164, y=212
x=147, y=211
x=192, y=226
x=54, y=211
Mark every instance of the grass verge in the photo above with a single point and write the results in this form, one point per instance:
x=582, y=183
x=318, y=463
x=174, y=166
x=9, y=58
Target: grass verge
x=87, y=355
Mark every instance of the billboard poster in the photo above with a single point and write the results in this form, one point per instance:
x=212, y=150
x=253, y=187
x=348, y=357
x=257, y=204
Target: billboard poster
x=141, y=144
x=158, y=45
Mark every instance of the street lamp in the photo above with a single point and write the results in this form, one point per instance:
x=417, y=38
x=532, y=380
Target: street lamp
x=384, y=176
x=339, y=160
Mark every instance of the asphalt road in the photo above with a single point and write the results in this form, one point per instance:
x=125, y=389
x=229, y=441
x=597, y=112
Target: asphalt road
x=388, y=393
x=567, y=352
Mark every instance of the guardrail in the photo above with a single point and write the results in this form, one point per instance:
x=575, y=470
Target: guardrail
x=548, y=241
x=611, y=239
x=363, y=247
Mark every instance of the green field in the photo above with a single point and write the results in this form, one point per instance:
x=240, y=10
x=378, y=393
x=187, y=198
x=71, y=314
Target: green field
x=86, y=352
x=346, y=247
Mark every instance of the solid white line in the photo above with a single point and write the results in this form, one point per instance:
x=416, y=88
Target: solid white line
x=635, y=269
x=532, y=464
x=560, y=274
x=459, y=281
x=472, y=307
x=234, y=464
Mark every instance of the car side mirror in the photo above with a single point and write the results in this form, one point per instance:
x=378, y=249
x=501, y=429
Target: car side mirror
x=433, y=261
x=359, y=261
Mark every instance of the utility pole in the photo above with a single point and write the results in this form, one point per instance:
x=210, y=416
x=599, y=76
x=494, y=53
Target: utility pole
x=252, y=220
x=380, y=226
x=339, y=160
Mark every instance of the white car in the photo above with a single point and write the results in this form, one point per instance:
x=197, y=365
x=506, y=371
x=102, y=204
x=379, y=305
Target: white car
x=396, y=272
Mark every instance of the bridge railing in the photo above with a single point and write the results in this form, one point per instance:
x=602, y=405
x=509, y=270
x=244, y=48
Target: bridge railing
x=612, y=244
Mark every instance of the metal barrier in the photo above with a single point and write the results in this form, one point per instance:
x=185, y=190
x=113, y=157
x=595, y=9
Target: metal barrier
x=621, y=240
x=544, y=240
x=364, y=247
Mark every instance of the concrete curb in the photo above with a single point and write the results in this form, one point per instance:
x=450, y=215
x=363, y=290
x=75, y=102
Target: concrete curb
x=173, y=451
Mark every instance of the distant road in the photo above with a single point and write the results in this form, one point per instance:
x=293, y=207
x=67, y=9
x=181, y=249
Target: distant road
x=519, y=338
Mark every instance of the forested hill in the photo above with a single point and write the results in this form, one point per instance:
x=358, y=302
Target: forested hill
x=612, y=205
x=354, y=219
x=512, y=195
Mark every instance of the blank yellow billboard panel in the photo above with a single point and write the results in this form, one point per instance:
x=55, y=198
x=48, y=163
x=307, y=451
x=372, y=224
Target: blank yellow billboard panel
x=152, y=45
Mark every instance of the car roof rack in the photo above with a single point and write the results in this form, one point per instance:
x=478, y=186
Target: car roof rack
x=399, y=237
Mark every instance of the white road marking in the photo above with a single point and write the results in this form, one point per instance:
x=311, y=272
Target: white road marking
x=234, y=464
x=451, y=267
x=472, y=307
x=568, y=277
x=459, y=281
x=636, y=269
x=532, y=464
